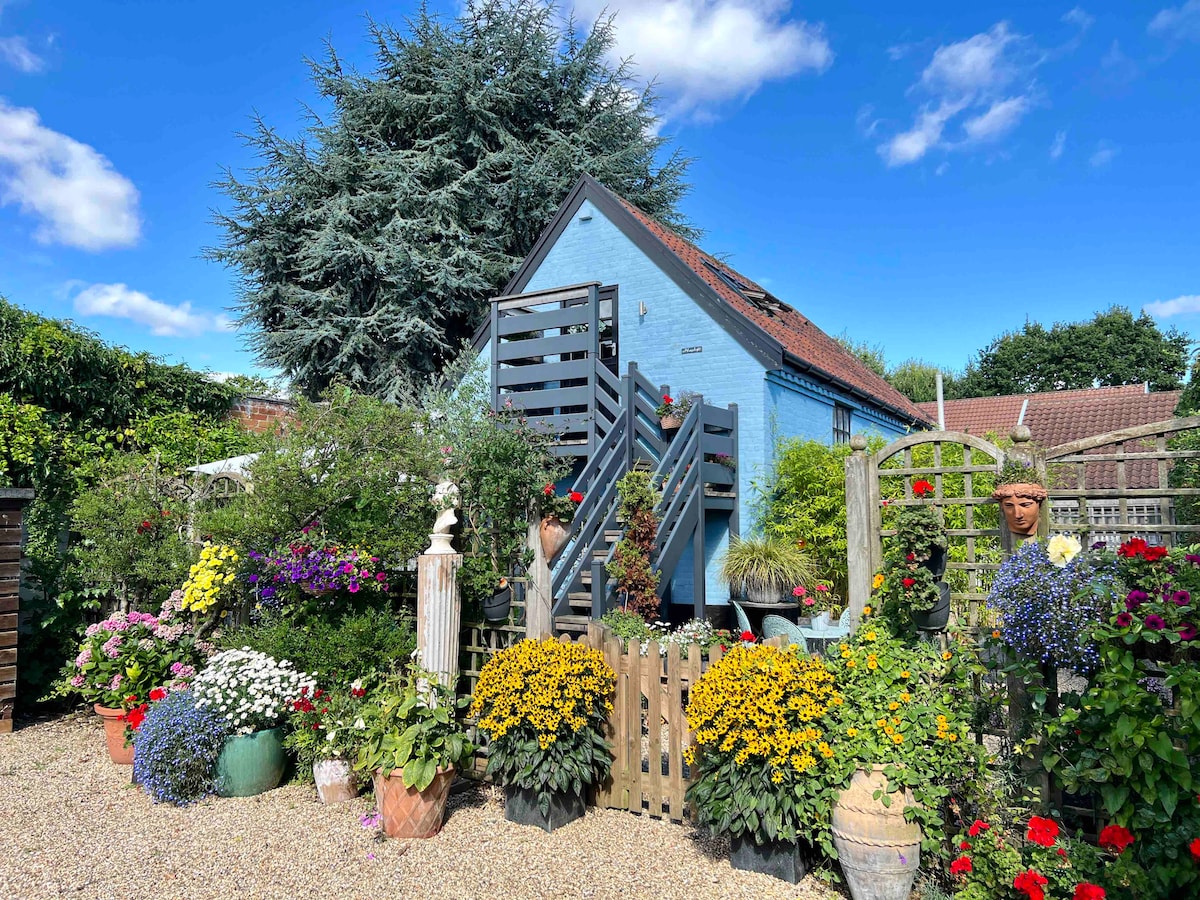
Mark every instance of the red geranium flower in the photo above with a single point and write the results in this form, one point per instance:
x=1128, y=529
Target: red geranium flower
x=747, y=636
x=1194, y=847
x=1088, y=891
x=134, y=717
x=965, y=845
x=157, y=694
x=911, y=557
x=1154, y=554
x=1115, y=838
x=548, y=489
x=575, y=497
x=1042, y=831
x=1031, y=883
x=908, y=582
x=1131, y=548
x=667, y=399
x=977, y=826
x=1061, y=852
x=960, y=866
x=922, y=487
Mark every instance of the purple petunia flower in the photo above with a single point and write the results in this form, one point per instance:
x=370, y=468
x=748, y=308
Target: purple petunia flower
x=1187, y=633
x=1136, y=597
x=268, y=593
x=1155, y=622
x=252, y=578
x=1181, y=598
x=1124, y=619
x=1193, y=558
x=1099, y=545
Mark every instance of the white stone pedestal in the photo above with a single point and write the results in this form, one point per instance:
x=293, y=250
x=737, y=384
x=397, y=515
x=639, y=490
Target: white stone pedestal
x=439, y=613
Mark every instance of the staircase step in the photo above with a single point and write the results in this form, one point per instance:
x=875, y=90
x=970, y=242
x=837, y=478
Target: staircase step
x=586, y=576
x=711, y=492
x=578, y=624
x=581, y=596
x=613, y=536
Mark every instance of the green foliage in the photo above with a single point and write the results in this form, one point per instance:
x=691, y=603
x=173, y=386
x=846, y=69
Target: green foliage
x=630, y=568
x=340, y=650
x=322, y=726
x=805, y=503
x=361, y=467
x=768, y=565
x=368, y=247
x=1113, y=348
x=870, y=355
x=917, y=380
x=183, y=438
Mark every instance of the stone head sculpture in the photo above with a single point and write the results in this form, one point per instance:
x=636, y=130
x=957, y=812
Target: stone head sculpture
x=1021, y=495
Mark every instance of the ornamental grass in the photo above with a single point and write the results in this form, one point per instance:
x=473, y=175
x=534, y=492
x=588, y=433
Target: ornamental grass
x=543, y=705
x=760, y=753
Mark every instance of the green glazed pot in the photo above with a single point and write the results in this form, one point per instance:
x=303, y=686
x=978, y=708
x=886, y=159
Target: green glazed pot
x=250, y=763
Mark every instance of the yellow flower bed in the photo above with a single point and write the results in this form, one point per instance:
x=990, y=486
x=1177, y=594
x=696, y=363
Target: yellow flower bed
x=763, y=705
x=551, y=687
x=216, y=568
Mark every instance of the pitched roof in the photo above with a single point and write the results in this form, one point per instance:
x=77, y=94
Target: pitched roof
x=770, y=329
x=1058, y=417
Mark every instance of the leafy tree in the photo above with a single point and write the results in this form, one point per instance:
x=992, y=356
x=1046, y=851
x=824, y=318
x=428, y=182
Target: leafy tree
x=917, y=380
x=367, y=248
x=1113, y=348
x=870, y=355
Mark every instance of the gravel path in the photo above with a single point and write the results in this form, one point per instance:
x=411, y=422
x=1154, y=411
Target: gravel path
x=72, y=825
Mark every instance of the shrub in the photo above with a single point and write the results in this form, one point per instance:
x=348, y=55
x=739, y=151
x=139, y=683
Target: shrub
x=177, y=746
x=769, y=565
x=339, y=650
x=636, y=581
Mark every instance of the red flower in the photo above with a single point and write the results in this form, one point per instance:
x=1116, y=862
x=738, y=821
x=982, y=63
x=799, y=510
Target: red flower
x=158, y=694
x=747, y=636
x=978, y=826
x=132, y=698
x=960, y=866
x=1115, y=838
x=667, y=399
x=134, y=717
x=1088, y=891
x=1062, y=852
x=575, y=497
x=1031, y=883
x=165, y=513
x=922, y=487
x=965, y=845
x=548, y=489
x=1131, y=548
x=1042, y=831
x=1194, y=847
x=1154, y=554
x=911, y=557
x=908, y=582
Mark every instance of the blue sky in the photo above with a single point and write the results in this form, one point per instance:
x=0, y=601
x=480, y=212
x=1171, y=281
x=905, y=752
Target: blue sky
x=923, y=180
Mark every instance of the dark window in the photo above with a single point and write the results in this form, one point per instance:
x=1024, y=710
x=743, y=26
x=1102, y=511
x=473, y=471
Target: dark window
x=841, y=424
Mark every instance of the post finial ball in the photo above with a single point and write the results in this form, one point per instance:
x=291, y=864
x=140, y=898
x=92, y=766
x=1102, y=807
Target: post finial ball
x=1020, y=434
x=858, y=442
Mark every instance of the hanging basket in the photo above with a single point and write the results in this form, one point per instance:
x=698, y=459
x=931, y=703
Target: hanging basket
x=670, y=423
x=497, y=607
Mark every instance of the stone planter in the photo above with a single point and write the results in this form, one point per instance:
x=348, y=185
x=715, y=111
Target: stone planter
x=938, y=616
x=114, y=735
x=496, y=608
x=336, y=782
x=878, y=850
x=250, y=764
x=786, y=860
x=520, y=806
x=407, y=812
x=553, y=533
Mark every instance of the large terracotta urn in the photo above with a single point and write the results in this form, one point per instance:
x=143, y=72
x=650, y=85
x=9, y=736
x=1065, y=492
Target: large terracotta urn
x=407, y=812
x=879, y=851
x=553, y=533
x=114, y=735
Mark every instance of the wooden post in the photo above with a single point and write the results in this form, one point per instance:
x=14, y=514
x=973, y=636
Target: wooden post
x=539, y=601
x=859, y=555
x=11, y=503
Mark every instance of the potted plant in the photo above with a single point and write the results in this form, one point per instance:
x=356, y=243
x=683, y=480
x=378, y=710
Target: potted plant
x=307, y=576
x=763, y=779
x=126, y=656
x=915, y=562
x=637, y=581
x=763, y=569
x=252, y=692
x=557, y=513
x=411, y=743
x=325, y=740
x=178, y=744
x=543, y=705
x=902, y=742
x=672, y=412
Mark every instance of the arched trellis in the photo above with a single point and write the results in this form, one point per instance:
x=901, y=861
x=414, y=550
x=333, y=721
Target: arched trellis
x=962, y=469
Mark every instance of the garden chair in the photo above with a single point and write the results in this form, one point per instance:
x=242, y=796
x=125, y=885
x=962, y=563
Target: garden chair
x=778, y=626
x=842, y=628
x=743, y=620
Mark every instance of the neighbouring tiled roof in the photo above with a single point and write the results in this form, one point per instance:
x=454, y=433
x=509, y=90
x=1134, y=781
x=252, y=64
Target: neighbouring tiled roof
x=1055, y=418
x=798, y=335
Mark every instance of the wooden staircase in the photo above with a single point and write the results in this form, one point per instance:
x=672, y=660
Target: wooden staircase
x=546, y=360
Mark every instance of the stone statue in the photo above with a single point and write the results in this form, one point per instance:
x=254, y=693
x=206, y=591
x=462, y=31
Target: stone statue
x=445, y=501
x=1021, y=495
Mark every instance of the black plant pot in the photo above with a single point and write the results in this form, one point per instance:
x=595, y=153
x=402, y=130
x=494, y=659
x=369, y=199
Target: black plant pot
x=521, y=806
x=786, y=860
x=496, y=608
x=936, y=562
x=938, y=616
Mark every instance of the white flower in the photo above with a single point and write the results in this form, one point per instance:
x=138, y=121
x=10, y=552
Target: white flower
x=359, y=723
x=1062, y=549
x=332, y=734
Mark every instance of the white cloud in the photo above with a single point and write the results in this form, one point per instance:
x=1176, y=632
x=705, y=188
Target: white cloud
x=1177, y=23
x=119, y=301
x=1060, y=144
x=1079, y=18
x=15, y=52
x=81, y=200
x=1188, y=303
x=707, y=52
x=988, y=77
x=1105, y=152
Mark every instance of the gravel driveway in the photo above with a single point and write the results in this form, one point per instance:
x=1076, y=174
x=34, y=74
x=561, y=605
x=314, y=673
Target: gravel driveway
x=71, y=825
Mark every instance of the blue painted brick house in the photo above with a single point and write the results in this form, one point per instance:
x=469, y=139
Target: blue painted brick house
x=606, y=286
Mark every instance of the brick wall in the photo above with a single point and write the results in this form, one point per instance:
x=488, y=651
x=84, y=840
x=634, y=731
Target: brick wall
x=11, y=503
x=261, y=414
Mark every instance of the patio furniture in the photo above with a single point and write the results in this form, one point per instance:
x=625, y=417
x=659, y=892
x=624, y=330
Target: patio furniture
x=821, y=633
x=778, y=626
x=743, y=620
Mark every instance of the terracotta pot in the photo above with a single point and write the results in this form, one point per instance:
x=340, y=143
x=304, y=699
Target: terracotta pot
x=553, y=534
x=878, y=850
x=335, y=780
x=114, y=735
x=670, y=423
x=407, y=812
